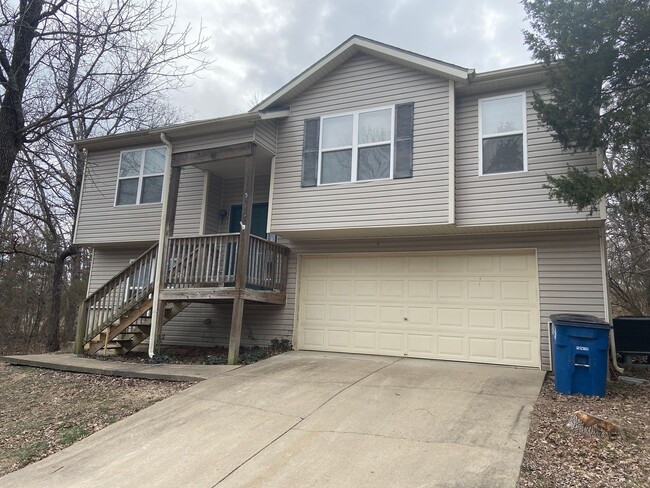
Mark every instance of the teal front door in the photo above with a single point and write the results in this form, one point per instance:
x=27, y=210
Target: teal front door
x=258, y=219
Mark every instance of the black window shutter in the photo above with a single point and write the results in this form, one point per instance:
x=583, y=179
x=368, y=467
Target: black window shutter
x=403, y=141
x=310, y=152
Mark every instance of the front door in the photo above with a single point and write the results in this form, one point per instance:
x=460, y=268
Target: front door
x=258, y=219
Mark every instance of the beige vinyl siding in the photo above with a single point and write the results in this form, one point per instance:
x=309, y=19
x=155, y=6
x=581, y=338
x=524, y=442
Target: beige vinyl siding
x=569, y=268
x=515, y=197
x=213, y=204
x=365, y=82
x=107, y=262
x=266, y=133
x=215, y=139
x=569, y=272
x=101, y=222
x=190, y=202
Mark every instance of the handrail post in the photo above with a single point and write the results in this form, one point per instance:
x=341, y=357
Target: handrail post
x=241, y=269
x=82, y=320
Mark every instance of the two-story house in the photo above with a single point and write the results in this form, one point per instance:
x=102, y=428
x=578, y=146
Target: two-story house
x=381, y=202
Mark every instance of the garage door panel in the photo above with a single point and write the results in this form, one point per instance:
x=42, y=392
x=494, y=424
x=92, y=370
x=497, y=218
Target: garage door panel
x=315, y=288
x=393, y=265
x=392, y=289
x=364, y=265
x=516, y=290
x=421, y=290
x=451, y=264
x=451, y=346
x=451, y=289
x=518, y=351
x=420, y=344
x=518, y=321
x=338, y=338
x=365, y=288
x=485, y=348
x=339, y=313
x=340, y=288
x=421, y=265
x=421, y=316
x=365, y=313
x=391, y=315
x=482, y=319
x=364, y=341
x=313, y=337
x=474, y=307
x=482, y=290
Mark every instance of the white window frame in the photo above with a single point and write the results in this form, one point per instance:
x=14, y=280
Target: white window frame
x=522, y=132
x=355, y=144
x=140, y=177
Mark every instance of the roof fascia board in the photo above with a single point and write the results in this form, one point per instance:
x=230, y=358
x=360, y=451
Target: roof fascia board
x=431, y=65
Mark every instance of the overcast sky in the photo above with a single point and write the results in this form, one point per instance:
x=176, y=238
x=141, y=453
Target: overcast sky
x=259, y=45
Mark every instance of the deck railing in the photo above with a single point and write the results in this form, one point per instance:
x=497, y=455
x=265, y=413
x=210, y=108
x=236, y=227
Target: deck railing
x=267, y=265
x=210, y=261
x=201, y=261
x=125, y=290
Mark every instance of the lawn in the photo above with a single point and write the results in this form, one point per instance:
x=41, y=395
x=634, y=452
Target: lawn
x=44, y=411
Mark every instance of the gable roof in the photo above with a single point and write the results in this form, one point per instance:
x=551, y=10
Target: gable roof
x=357, y=44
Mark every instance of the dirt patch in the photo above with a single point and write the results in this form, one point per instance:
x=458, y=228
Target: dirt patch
x=43, y=411
x=557, y=456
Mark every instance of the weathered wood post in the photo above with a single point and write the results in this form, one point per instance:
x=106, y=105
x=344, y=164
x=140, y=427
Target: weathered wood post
x=82, y=320
x=241, y=270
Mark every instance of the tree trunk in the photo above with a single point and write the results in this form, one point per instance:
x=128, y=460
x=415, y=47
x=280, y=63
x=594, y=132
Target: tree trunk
x=54, y=320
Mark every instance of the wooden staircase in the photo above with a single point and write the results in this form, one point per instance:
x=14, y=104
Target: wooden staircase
x=130, y=329
x=117, y=316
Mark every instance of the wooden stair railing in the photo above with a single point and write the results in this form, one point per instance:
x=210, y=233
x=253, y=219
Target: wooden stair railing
x=121, y=300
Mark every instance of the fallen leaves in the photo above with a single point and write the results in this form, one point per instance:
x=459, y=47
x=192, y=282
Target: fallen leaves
x=557, y=456
x=44, y=411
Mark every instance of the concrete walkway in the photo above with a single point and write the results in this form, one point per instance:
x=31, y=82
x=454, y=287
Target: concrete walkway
x=169, y=372
x=314, y=419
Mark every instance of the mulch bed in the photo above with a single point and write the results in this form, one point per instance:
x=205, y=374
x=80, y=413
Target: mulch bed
x=201, y=355
x=558, y=456
x=43, y=411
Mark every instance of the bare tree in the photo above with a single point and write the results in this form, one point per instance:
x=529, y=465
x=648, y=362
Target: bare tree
x=70, y=70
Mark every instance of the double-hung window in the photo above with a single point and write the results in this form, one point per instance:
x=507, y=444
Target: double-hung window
x=356, y=146
x=140, y=176
x=502, y=134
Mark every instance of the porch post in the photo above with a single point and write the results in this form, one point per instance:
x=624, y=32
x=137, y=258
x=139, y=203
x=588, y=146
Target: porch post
x=241, y=270
x=171, y=183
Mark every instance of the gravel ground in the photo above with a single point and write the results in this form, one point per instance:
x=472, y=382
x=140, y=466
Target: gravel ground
x=43, y=411
x=557, y=456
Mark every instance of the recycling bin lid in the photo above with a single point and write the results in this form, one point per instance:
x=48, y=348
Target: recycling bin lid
x=580, y=320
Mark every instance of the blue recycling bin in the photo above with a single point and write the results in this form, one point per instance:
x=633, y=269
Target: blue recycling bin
x=580, y=344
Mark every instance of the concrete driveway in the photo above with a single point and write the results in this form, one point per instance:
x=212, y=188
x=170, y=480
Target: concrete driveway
x=314, y=419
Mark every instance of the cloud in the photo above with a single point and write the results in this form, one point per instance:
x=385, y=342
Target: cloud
x=259, y=45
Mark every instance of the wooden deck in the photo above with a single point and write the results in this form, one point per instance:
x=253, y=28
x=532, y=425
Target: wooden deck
x=196, y=269
x=204, y=269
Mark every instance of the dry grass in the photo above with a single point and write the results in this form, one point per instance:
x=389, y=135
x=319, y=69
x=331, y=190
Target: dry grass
x=557, y=456
x=43, y=411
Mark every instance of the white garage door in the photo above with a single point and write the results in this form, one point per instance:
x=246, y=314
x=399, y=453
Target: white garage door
x=480, y=307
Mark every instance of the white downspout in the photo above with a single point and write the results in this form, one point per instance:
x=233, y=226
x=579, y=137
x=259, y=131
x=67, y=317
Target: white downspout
x=161, y=243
